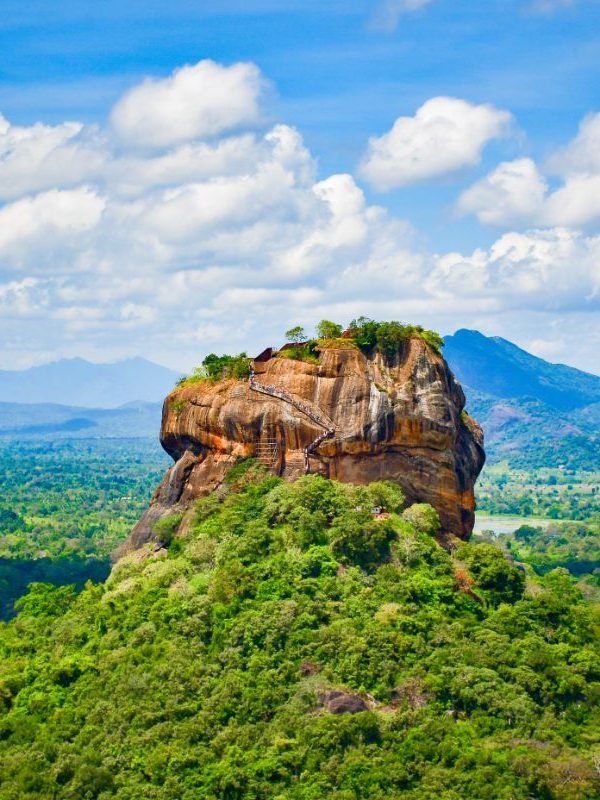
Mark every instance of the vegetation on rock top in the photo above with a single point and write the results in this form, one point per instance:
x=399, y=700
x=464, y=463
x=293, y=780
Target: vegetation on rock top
x=363, y=333
x=217, y=368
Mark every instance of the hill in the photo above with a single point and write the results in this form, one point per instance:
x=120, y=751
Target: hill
x=52, y=421
x=349, y=409
x=289, y=644
x=499, y=368
x=534, y=414
x=76, y=382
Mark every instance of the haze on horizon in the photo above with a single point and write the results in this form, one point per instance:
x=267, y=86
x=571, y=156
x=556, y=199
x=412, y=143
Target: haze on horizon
x=194, y=180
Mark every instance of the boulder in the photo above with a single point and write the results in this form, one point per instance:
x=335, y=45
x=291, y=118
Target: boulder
x=352, y=417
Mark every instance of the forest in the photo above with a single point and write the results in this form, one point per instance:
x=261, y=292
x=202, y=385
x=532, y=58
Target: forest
x=221, y=666
x=556, y=493
x=66, y=505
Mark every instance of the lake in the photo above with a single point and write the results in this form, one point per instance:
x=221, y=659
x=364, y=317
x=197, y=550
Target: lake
x=485, y=522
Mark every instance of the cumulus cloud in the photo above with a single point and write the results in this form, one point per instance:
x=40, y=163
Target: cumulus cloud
x=52, y=218
x=514, y=191
x=582, y=154
x=222, y=243
x=446, y=135
x=539, y=269
x=517, y=192
x=195, y=102
x=22, y=298
x=43, y=156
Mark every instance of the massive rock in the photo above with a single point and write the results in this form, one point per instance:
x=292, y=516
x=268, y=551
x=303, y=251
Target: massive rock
x=349, y=417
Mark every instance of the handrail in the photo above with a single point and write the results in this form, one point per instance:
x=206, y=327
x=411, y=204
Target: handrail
x=311, y=413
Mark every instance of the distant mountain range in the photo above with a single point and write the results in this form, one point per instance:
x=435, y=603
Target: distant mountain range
x=76, y=382
x=501, y=369
x=533, y=413
x=50, y=421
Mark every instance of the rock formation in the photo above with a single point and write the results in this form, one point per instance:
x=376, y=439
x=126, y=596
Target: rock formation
x=349, y=417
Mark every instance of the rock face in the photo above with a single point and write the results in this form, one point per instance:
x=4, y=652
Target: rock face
x=339, y=702
x=352, y=418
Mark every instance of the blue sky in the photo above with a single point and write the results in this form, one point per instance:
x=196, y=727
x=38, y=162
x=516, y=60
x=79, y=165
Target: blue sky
x=338, y=74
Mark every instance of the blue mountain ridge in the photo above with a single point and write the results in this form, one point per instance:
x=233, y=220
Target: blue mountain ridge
x=499, y=368
x=77, y=382
x=533, y=413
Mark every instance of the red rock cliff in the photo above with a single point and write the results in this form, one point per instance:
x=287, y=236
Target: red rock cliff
x=350, y=417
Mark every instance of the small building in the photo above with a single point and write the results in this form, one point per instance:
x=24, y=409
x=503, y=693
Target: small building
x=259, y=364
x=293, y=345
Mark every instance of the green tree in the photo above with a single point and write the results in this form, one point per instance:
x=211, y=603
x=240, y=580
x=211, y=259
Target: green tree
x=364, y=331
x=424, y=518
x=390, y=335
x=296, y=334
x=328, y=330
x=165, y=528
x=226, y=366
x=433, y=339
x=502, y=582
x=362, y=540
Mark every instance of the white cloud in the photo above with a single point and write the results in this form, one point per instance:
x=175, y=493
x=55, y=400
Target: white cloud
x=195, y=102
x=514, y=191
x=548, y=349
x=56, y=217
x=517, y=192
x=576, y=203
x=582, y=154
x=213, y=246
x=22, y=298
x=445, y=135
x=40, y=156
x=388, y=13
x=556, y=269
x=137, y=314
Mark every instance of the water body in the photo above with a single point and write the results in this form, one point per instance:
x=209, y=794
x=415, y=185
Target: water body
x=504, y=525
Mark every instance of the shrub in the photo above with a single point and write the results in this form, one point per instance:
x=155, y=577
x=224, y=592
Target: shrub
x=364, y=332
x=217, y=368
x=362, y=540
x=502, y=582
x=328, y=330
x=386, y=495
x=305, y=352
x=225, y=366
x=164, y=529
x=390, y=336
x=424, y=518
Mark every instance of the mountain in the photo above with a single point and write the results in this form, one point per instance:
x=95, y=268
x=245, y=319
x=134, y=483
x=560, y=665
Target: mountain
x=533, y=413
x=350, y=414
x=498, y=367
x=47, y=420
x=76, y=382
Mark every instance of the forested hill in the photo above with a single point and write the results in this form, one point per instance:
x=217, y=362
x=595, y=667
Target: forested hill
x=498, y=367
x=292, y=643
x=534, y=414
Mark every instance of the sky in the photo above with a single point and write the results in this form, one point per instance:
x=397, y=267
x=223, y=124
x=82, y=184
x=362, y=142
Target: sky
x=191, y=177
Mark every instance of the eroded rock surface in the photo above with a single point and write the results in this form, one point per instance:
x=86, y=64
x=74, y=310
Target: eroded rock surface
x=394, y=418
x=339, y=702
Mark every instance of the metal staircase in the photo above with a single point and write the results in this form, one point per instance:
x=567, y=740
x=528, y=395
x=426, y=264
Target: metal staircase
x=267, y=451
x=316, y=415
